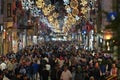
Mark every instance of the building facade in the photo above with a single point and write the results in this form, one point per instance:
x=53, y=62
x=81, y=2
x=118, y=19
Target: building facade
x=1, y=24
x=7, y=31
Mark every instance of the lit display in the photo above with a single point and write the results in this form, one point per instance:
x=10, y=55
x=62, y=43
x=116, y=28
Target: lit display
x=50, y=15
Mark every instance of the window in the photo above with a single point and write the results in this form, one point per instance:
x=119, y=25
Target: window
x=2, y=6
x=9, y=14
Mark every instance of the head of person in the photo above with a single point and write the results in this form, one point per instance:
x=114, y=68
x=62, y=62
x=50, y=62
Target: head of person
x=65, y=67
x=96, y=65
x=92, y=78
x=114, y=65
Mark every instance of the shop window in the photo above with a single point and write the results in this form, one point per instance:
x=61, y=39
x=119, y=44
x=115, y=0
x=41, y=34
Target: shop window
x=9, y=14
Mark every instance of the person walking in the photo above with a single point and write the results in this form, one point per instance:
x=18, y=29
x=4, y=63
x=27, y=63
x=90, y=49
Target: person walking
x=97, y=71
x=66, y=74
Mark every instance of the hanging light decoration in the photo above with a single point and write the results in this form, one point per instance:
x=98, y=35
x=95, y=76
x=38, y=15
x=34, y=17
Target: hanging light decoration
x=72, y=14
x=66, y=2
x=30, y=5
x=50, y=19
x=68, y=9
x=74, y=9
x=35, y=11
x=51, y=7
x=25, y=5
x=40, y=3
x=75, y=12
x=56, y=24
x=83, y=2
x=74, y=4
x=55, y=14
x=46, y=11
x=83, y=10
x=64, y=29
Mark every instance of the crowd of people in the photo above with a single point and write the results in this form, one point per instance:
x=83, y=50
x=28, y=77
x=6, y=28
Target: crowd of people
x=57, y=61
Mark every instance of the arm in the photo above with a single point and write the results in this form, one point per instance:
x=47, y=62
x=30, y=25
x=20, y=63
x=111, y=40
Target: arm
x=61, y=77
